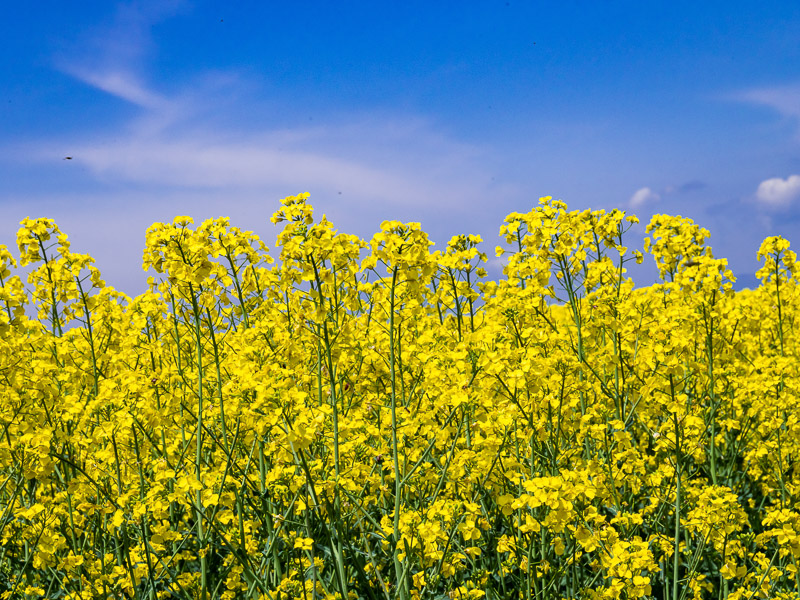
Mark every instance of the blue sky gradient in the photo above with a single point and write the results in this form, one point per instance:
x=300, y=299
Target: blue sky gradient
x=449, y=113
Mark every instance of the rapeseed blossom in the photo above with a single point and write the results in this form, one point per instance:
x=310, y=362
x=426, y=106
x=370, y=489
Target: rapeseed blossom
x=375, y=419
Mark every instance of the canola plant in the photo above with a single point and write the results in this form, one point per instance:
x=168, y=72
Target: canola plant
x=380, y=421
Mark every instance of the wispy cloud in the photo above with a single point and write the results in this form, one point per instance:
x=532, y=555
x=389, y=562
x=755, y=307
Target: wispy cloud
x=125, y=40
x=208, y=146
x=643, y=196
x=178, y=141
x=122, y=85
x=113, y=57
x=206, y=159
x=784, y=99
x=778, y=193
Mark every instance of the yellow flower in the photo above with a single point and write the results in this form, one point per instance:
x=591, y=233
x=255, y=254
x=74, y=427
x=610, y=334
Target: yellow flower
x=304, y=543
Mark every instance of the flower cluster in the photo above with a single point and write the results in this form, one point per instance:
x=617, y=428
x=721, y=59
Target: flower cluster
x=374, y=419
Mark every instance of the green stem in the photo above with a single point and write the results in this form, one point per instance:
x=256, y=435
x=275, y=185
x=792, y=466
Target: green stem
x=398, y=482
x=676, y=554
x=199, y=455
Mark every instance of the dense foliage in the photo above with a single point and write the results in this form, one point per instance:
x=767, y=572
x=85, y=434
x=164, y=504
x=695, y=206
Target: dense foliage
x=376, y=420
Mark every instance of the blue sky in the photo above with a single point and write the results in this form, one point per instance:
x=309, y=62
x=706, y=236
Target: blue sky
x=449, y=113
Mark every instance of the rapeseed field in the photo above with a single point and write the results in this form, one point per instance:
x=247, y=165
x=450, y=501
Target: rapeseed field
x=375, y=420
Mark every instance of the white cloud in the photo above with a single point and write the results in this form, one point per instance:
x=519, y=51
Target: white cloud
x=112, y=57
x=643, y=196
x=124, y=40
x=777, y=192
x=122, y=85
x=393, y=161
x=783, y=99
x=211, y=145
x=201, y=136
x=202, y=161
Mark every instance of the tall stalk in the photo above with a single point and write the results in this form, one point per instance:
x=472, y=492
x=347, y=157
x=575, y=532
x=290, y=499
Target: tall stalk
x=201, y=541
x=398, y=482
x=676, y=563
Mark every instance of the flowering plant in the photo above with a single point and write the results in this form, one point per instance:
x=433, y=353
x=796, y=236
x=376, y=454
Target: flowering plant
x=371, y=419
